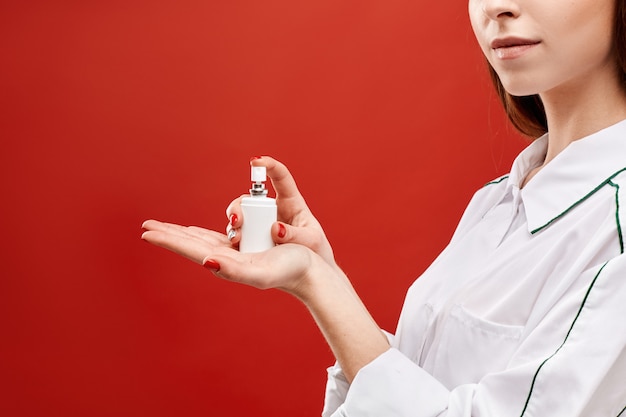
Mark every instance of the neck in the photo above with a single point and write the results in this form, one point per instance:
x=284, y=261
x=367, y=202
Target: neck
x=580, y=109
x=576, y=112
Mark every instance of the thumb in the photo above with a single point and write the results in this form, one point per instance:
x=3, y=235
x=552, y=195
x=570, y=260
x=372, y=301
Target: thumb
x=305, y=236
x=230, y=269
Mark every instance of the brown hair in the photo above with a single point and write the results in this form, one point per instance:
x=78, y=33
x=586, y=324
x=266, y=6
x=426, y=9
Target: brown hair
x=527, y=112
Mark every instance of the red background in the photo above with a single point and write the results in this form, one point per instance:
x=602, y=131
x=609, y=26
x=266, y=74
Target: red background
x=114, y=111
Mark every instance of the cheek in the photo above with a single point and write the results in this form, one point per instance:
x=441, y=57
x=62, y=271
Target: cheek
x=478, y=22
x=591, y=44
x=594, y=22
x=472, y=8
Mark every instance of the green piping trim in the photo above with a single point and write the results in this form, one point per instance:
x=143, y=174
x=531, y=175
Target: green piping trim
x=498, y=181
x=605, y=182
x=582, y=305
x=619, y=226
x=621, y=412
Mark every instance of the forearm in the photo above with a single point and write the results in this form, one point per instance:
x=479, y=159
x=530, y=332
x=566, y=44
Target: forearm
x=351, y=332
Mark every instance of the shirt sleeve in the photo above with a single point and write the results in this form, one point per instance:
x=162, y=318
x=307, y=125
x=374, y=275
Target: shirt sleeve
x=581, y=375
x=336, y=390
x=337, y=386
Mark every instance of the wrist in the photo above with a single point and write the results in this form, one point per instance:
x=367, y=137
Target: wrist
x=351, y=332
x=316, y=280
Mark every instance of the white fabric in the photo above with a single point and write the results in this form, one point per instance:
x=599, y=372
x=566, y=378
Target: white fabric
x=524, y=313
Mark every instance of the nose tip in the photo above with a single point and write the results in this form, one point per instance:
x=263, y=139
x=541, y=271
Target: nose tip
x=500, y=9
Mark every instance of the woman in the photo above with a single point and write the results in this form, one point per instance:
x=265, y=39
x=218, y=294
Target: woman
x=523, y=313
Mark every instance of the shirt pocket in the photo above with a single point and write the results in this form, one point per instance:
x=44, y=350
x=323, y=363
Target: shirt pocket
x=471, y=347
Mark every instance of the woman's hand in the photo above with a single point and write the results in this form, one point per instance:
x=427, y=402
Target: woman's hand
x=350, y=331
x=302, y=265
x=296, y=223
x=284, y=267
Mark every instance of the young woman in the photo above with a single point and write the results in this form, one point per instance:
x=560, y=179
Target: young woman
x=523, y=314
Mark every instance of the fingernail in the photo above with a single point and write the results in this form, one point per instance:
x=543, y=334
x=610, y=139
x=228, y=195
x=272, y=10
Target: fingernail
x=233, y=219
x=212, y=265
x=282, y=230
x=255, y=157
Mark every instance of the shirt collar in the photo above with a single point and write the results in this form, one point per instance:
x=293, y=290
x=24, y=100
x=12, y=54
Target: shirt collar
x=573, y=175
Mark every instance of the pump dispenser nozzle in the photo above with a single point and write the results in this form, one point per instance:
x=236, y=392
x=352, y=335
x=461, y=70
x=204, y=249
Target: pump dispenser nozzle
x=258, y=175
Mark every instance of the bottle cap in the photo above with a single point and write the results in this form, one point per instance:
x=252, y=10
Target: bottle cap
x=258, y=174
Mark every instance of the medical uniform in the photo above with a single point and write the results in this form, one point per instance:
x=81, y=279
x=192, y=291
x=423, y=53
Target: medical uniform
x=524, y=313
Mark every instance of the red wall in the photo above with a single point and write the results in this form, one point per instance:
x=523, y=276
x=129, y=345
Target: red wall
x=115, y=111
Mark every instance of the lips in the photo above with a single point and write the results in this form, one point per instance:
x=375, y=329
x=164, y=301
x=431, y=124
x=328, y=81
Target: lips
x=511, y=47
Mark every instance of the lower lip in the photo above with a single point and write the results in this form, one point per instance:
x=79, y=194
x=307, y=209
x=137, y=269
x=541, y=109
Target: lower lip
x=513, y=52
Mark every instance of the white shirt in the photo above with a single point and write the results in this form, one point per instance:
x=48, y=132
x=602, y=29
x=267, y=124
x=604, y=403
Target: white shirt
x=524, y=313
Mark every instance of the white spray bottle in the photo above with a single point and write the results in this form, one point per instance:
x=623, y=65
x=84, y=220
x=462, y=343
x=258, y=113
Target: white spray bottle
x=259, y=213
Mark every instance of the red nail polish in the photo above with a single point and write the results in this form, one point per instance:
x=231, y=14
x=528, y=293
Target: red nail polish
x=255, y=157
x=233, y=219
x=212, y=265
x=282, y=230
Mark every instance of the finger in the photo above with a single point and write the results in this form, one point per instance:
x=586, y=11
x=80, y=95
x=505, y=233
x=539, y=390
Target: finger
x=191, y=242
x=176, y=229
x=234, y=235
x=282, y=180
x=231, y=269
x=150, y=224
x=155, y=225
x=284, y=233
x=234, y=212
x=278, y=268
x=199, y=232
x=191, y=248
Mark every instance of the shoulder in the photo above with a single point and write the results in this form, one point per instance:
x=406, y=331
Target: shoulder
x=481, y=202
x=498, y=180
x=489, y=194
